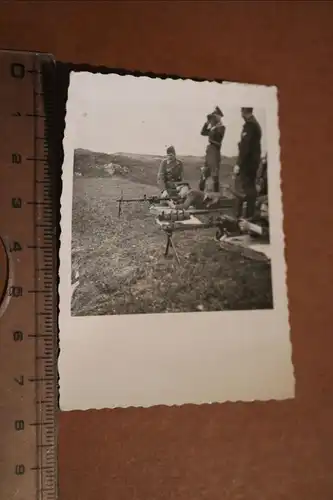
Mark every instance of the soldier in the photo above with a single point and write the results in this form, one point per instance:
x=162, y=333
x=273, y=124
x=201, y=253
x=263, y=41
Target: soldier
x=170, y=172
x=214, y=130
x=248, y=162
x=198, y=199
x=259, y=225
x=262, y=179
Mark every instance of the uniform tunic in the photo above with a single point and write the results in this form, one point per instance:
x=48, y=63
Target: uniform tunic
x=249, y=148
x=249, y=157
x=170, y=171
x=215, y=136
x=196, y=199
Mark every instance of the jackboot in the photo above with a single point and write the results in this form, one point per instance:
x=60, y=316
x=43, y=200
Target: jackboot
x=216, y=184
x=202, y=183
x=250, y=207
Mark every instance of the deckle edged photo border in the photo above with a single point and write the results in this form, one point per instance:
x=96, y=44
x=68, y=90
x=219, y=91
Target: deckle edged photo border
x=124, y=360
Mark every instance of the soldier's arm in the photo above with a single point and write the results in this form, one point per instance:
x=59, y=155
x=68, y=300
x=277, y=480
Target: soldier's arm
x=213, y=200
x=221, y=132
x=260, y=171
x=244, y=145
x=257, y=229
x=205, y=129
x=260, y=230
x=188, y=202
x=181, y=170
x=161, y=175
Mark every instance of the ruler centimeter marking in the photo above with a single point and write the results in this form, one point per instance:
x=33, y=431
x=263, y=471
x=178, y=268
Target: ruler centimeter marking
x=28, y=332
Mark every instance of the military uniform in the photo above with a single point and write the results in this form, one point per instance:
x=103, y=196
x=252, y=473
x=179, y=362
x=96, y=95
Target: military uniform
x=170, y=172
x=215, y=134
x=261, y=215
x=200, y=200
x=248, y=161
x=262, y=179
x=258, y=227
x=194, y=198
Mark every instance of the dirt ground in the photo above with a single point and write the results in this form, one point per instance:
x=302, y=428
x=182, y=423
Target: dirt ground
x=123, y=269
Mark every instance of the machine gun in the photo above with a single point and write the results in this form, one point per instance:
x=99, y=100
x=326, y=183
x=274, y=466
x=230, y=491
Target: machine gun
x=150, y=199
x=145, y=199
x=228, y=228
x=172, y=223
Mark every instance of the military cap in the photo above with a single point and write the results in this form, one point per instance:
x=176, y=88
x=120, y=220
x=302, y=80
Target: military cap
x=247, y=110
x=171, y=150
x=217, y=111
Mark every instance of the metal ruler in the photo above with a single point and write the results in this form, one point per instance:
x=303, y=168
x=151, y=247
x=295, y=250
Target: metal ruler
x=28, y=284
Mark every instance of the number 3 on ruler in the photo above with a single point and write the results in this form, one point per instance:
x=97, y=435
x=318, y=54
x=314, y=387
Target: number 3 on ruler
x=19, y=470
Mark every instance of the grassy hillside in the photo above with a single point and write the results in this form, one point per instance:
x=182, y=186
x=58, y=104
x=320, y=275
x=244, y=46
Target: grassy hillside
x=123, y=270
x=120, y=260
x=140, y=168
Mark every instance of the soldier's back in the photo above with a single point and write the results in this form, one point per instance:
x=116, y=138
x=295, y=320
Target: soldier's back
x=195, y=198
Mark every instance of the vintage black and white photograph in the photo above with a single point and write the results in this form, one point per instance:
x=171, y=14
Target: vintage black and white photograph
x=171, y=209
x=170, y=203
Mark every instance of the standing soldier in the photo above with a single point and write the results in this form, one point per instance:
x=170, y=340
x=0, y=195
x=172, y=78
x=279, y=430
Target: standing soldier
x=171, y=172
x=262, y=179
x=248, y=162
x=214, y=130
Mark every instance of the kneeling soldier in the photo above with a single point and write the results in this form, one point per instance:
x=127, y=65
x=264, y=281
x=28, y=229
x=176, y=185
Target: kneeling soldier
x=170, y=172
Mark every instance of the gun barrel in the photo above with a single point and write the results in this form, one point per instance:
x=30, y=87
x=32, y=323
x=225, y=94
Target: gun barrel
x=178, y=227
x=205, y=211
x=130, y=200
x=149, y=199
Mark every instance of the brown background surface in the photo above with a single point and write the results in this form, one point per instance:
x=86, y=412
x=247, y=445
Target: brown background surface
x=234, y=451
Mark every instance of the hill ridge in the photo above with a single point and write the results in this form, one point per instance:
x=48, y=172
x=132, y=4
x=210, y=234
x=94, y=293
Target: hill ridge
x=136, y=167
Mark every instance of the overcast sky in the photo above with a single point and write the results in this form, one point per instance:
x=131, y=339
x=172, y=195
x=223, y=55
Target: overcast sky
x=112, y=113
